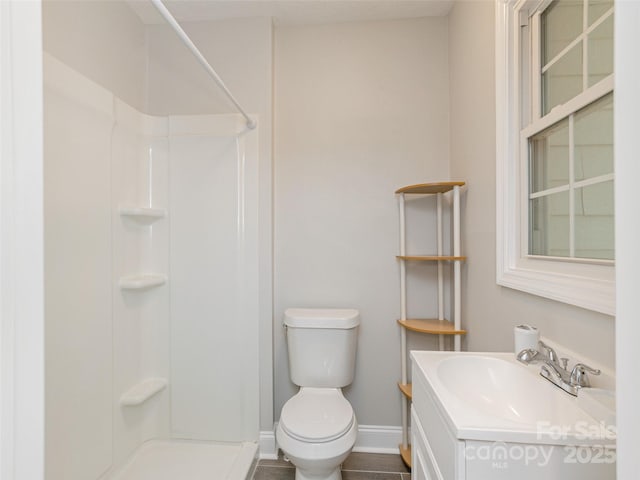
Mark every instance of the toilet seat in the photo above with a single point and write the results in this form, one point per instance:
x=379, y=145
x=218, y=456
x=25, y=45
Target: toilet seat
x=317, y=415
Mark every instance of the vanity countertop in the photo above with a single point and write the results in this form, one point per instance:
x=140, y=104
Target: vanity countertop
x=493, y=397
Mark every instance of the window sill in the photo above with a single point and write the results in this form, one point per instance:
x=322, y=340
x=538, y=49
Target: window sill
x=597, y=294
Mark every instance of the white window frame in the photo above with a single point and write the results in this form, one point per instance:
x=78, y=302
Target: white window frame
x=587, y=284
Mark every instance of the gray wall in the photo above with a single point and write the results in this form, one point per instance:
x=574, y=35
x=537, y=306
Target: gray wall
x=238, y=49
x=104, y=40
x=360, y=110
x=489, y=311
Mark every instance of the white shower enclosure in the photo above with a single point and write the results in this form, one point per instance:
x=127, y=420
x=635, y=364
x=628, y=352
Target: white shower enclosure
x=151, y=288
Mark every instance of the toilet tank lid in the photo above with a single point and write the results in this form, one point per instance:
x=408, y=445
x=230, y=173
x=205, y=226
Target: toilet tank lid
x=321, y=317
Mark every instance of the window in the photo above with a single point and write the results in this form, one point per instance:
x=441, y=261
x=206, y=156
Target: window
x=555, y=150
x=571, y=185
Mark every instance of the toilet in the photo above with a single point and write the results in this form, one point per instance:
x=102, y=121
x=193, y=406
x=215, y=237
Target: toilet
x=317, y=427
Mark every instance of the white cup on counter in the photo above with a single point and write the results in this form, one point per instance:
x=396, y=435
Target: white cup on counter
x=525, y=337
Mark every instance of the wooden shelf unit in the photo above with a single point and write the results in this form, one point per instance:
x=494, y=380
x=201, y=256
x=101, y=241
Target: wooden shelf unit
x=432, y=258
x=430, y=188
x=431, y=325
x=405, y=453
x=437, y=326
x=406, y=389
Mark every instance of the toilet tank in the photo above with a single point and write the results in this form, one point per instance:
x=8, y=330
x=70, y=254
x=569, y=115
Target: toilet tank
x=322, y=346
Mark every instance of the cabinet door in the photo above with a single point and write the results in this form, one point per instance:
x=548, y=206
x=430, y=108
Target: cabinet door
x=419, y=465
x=442, y=444
x=423, y=463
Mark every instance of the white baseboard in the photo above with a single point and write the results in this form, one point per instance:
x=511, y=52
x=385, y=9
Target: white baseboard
x=371, y=439
x=267, y=448
x=378, y=439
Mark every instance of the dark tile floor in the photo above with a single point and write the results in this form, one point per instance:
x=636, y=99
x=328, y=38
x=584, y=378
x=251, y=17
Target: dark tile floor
x=358, y=466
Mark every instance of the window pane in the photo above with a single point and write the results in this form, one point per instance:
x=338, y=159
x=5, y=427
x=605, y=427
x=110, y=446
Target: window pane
x=593, y=139
x=597, y=8
x=550, y=157
x=561, y=24
x=600, y=48
x=563, y=80
x=594, y=221
x=549, y=230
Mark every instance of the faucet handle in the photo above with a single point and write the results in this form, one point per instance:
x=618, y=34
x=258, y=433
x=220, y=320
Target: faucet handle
x=527, y=356
x=564, y=362
x=579, y=376
x=549, y=351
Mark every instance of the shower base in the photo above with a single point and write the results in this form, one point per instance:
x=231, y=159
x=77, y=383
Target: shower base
x=184, y=460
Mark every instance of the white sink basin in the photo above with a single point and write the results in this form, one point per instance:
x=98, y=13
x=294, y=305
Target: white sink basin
x=492, y=392
x=496, y=387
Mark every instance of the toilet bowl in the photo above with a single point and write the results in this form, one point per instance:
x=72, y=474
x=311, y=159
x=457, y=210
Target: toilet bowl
x=318, y=428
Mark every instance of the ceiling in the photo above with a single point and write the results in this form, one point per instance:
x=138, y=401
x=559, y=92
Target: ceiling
x=293, y=12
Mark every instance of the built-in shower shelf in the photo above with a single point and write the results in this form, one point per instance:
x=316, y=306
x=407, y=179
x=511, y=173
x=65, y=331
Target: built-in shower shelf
x=140, y=281
x=146, y=214
x=143, y=391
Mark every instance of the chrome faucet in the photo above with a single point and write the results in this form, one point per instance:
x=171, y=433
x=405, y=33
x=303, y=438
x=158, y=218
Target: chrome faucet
x=528, y=355
x=550, y=353
x=558, y=374
x=579, y=375
x=543, y=353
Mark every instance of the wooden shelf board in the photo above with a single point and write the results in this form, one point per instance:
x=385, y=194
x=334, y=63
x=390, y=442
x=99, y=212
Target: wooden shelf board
x=430, y=188
x=432, y=258
x=405, y=453
x=406, y=389
x=431, y=325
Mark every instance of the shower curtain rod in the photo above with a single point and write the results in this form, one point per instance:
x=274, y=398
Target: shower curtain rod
x=251, y=124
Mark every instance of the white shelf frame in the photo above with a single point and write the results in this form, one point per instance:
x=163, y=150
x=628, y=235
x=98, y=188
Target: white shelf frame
x=456, y=314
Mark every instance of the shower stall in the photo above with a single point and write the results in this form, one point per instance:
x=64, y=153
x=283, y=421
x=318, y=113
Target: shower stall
x=151, y=288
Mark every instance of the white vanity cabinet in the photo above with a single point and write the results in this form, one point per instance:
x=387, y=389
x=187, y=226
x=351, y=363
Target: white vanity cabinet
x=436, y=453
x=451, y=444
